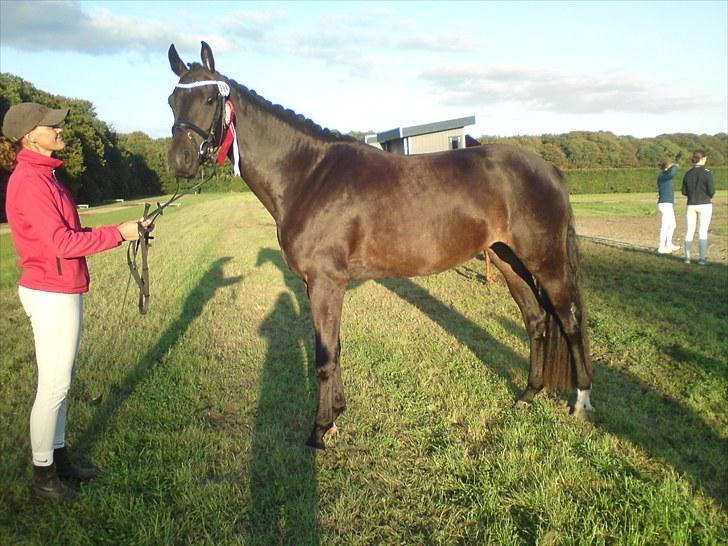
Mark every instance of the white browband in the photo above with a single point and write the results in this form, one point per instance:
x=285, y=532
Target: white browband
x=221, y=86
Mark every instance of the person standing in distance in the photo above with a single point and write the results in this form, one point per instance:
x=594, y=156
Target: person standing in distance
x=51, y=245
x=699, y=188
x=665, y=201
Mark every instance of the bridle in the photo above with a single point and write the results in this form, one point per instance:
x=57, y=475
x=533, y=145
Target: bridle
x=211, y=142
x=212, y=138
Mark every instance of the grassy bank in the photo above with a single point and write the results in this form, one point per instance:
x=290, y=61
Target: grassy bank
x=197, y=412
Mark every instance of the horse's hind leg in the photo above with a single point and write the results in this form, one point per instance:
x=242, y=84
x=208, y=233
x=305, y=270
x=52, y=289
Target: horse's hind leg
x=521, y=285
x=327, y=296
x=339, y=404
x=566, y=301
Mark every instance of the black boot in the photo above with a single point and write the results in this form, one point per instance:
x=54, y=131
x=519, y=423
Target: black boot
x=67, y=470
x=46, y=485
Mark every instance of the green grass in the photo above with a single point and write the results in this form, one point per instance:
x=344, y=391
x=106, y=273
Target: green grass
x=197, y=412
x=643, y=205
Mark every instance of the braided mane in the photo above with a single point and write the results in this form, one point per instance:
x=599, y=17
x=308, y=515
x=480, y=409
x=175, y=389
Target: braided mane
x=289, y=116
x=286, y=114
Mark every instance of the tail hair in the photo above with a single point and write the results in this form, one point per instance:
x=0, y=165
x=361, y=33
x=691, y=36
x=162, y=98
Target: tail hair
x=559, y=369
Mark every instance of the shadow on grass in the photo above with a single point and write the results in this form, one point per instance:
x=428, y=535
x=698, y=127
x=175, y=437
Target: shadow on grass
x=628, y=407
x=192, y=308
x=630, y=282
x=685, y=313
x=283, y=484
x=490, y=351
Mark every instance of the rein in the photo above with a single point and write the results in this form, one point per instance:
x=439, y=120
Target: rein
x=216, y=139
x=141, y=245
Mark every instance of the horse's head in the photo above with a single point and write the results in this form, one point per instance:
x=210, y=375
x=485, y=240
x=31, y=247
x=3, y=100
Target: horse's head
x=198, y=104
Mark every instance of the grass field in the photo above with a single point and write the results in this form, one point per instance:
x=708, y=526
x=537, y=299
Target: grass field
x=197, y=413
x=633, y=218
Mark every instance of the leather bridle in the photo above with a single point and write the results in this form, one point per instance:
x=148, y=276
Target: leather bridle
x=212, y=138
x=211, y=141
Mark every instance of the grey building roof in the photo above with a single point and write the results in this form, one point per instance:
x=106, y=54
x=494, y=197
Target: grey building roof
x=436, y=127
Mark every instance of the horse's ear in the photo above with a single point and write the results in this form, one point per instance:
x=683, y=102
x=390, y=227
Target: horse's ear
x=178, y=67
x=207, y=59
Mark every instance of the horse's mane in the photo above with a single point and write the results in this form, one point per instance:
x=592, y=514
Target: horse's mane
x=286, y=114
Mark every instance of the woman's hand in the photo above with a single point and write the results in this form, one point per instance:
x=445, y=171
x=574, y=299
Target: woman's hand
x=130, y=230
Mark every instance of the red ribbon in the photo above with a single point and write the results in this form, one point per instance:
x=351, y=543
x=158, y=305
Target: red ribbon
x=230, y=138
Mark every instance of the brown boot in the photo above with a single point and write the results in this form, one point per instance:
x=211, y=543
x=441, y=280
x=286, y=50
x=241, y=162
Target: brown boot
x=46, y=485
x=67, y=470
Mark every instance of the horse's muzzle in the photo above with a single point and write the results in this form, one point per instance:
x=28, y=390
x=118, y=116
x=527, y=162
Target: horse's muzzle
x=183, y=159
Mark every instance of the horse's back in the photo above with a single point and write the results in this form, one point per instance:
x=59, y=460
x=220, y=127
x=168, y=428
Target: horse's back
x=385, y=215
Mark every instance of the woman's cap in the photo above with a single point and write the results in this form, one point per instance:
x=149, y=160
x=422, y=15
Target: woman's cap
x=22, y=118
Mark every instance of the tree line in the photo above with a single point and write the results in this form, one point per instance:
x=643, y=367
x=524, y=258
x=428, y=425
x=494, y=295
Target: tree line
x=601, y=149
x=101, y=164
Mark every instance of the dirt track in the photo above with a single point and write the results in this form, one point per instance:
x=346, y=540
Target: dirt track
x=643, y=233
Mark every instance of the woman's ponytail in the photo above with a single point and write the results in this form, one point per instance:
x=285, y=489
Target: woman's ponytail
x=8, y=153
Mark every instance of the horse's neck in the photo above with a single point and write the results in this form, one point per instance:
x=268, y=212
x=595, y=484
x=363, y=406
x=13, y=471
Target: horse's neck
x=276, y=156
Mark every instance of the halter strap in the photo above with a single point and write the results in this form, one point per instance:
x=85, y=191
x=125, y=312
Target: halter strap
x=221, y=86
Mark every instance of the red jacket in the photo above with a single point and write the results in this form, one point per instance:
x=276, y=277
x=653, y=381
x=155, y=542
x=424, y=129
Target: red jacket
x=47, y=232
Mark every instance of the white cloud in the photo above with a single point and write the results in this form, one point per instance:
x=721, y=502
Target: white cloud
x=349, y=39
x=64, y=26
x=551, y=90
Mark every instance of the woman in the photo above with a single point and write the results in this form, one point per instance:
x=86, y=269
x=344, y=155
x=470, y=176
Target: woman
x=665, y=201
x=51, y=246
x=699, y=188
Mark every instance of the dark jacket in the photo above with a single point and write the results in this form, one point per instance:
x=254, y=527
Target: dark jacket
x=664, y=185
x=698, y=186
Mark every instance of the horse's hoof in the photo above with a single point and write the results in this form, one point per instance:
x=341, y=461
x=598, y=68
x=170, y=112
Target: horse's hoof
x=582, y=414
x=319, y=446
x=521, y=404
x=333, y=431
x=316, y=441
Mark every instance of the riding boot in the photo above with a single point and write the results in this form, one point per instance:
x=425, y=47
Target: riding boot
x=67, y=470
x=46, y=485
x=703, y=244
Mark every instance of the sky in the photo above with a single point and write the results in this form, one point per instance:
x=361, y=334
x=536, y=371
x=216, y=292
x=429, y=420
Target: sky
x=521, y=68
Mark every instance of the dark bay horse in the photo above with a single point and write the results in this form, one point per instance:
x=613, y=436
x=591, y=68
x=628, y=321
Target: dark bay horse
x=347, y=211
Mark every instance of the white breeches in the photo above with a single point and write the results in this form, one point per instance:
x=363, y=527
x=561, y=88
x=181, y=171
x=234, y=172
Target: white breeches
x=57, y=321
x=702, y=213
x=668, y=224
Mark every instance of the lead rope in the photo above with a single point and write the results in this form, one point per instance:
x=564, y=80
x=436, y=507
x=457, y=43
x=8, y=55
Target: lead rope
x=142, y=243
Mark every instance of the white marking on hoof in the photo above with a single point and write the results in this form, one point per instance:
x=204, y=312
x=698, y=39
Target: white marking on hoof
x=582, y=407
x=333, y=431
x=521, y=404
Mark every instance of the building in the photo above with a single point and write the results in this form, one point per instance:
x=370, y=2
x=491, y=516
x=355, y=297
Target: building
x=424, y=139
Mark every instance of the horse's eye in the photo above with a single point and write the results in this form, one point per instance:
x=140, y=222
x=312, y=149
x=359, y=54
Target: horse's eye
x=210, y=100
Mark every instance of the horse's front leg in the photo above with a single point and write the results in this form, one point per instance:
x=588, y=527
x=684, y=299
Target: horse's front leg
x=327, y=296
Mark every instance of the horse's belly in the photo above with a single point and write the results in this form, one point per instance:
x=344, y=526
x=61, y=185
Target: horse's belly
x=416, y=252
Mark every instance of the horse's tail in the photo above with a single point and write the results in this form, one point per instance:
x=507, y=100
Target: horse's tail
x=559, y=367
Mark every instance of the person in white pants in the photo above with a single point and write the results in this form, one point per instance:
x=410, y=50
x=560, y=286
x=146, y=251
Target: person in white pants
x=51, y=246
x=699, y=188
x=56, y=319
x=665, y=200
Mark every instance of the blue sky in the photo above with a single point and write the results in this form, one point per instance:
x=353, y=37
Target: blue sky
x=531, y=68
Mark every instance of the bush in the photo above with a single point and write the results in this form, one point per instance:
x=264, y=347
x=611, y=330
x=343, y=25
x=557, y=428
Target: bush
x=639, y=180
